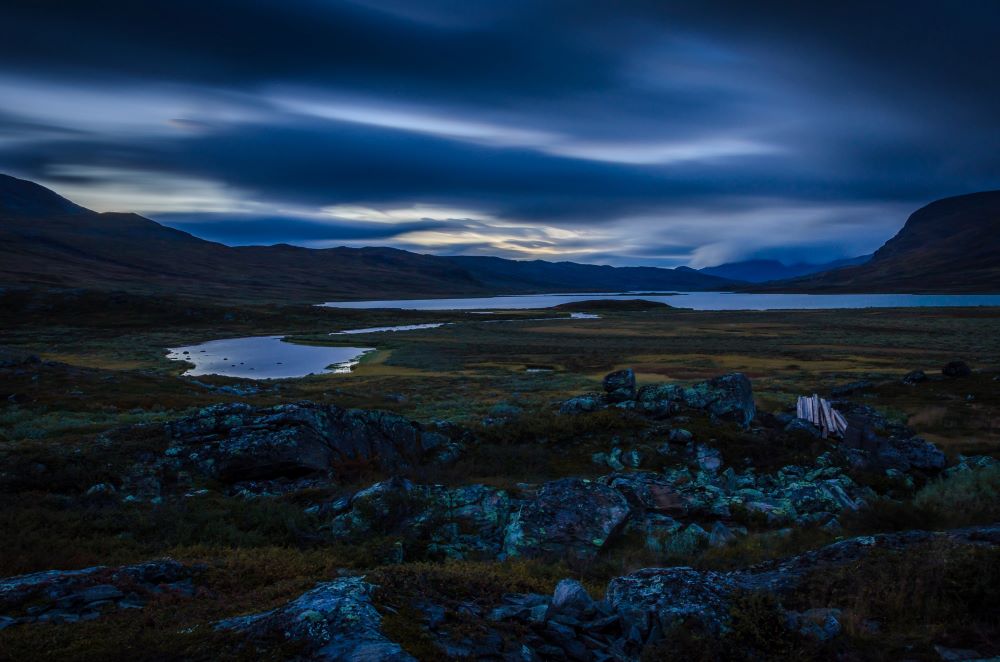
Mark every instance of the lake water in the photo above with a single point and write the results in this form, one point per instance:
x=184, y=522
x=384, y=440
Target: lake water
x=693, y=300
x=383, y=329
x=265, y=357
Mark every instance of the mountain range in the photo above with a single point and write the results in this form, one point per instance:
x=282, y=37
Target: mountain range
x=951, y=245
x=762, y=271
x=46, y=240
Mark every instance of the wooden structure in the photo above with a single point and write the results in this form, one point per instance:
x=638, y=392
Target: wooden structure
x=818, y=411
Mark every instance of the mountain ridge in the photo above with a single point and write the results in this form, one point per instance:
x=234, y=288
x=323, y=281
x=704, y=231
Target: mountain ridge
x=764, y=270
x=951, y=245
x=46, y=240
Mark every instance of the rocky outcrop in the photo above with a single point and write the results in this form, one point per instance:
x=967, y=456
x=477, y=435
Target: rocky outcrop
x=334, y=622
x=728, y=397
x=874, y=442
x=70, y=596
x=619, y=386
x=571, y=517
x=458, y=523
x=641, y=607
x=236, y=442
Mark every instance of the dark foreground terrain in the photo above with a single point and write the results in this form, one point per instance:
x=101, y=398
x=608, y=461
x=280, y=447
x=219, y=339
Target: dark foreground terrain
x=629, y=487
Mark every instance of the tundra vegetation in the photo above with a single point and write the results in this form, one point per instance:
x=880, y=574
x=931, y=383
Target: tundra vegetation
x=633, y=486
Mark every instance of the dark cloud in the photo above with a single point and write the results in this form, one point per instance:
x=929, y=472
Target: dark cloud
x=653, y=132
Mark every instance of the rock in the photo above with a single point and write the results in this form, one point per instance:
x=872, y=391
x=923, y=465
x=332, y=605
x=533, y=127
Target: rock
x=237, y=442
x=615, y=459
x=665, y=597
x=333, y=622
x=801, y=425
x=582, y=404
x=820, y=624
x=619, y=386
x=708, y=458
x=921, y=454
x=882, y=445
x=956, y=369
x=633, y=458
x=729, y=397
x=659, y=400
x=672, y=596
x=68, y=596
x=914, y=377
x=957, y=654
x=458, y=523
x=721, y=535
x=680, y=436
x=648, y=491
x=569, y=595
x=568, y=517
x=101, y=489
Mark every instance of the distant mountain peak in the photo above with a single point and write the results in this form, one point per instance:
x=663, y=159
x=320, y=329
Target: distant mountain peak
x=20, y=197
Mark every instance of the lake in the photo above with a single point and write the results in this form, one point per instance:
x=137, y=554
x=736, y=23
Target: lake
x=265, y=357
x=692, y=300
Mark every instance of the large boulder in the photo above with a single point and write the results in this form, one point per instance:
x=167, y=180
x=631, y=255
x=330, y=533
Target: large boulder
x=728, y=397
x=334, y=622
x=238, y=442
x=878, y=443
x=571, y=517
x=620, y=385
x=671, y=596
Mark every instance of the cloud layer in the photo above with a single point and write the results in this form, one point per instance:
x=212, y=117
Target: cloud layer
x=656, y=133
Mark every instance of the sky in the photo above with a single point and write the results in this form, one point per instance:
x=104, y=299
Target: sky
x=630, y=133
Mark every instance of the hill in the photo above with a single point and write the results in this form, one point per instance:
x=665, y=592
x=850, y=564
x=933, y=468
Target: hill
x=46, y=240
x=951, y=245
x=761, y=271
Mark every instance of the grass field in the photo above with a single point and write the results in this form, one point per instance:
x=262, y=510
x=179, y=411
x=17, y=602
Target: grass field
x=103, y=367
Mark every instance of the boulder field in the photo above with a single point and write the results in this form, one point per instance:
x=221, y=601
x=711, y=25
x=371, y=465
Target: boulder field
x=669, y=490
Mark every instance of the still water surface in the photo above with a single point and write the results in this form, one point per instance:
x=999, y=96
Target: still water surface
x=265, y=357
x=694, y=300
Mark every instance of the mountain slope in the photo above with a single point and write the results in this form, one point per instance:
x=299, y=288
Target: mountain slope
x=951, y=245
x=47, y=240
x=498, y=272
x=760, y=271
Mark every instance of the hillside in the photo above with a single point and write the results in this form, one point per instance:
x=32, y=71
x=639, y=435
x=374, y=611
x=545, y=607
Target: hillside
x=951, y=245
x=47, y=240
x=761, y=271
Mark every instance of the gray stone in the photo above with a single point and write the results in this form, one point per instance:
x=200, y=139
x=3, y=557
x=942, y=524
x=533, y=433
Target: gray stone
x=334, y=622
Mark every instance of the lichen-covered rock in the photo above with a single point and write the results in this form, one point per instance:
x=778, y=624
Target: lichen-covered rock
x=647, y=491
x=659, y=400
x=582, y=404
x=729, y=397
x=569, y=517
x=334, y=622
x=238, y=442
x=672, y=596
x=456, y=523
x=70, y=596
x=881, y=444
x=619, y=385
